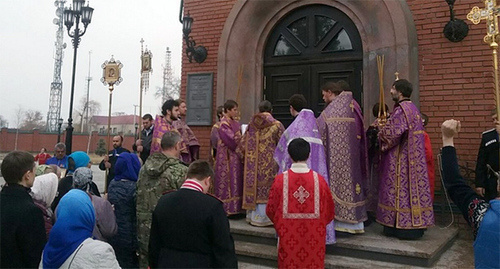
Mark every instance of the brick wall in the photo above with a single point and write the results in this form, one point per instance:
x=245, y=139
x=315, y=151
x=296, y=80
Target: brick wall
x=33, y=141
x=456, y=79
x=209, y=19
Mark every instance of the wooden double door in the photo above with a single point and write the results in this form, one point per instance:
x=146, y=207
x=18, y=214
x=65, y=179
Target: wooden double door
x=309, y=47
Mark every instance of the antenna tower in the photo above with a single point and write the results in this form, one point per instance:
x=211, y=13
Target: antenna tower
x=56, y=86
x=167, y=77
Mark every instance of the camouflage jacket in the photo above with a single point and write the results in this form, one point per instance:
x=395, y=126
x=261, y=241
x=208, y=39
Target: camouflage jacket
x=159, y=174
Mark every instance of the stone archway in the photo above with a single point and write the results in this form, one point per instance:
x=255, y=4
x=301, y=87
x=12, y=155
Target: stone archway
x=386, y=27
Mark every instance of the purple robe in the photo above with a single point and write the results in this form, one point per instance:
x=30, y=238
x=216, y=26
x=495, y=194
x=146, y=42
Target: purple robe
x=404, y=194
x=373, y=166
x=214, y=139
x=342, y=130
x=161, y=127
x=188, y=138
x=228, y=182
x=305, y=127
x=257, y=148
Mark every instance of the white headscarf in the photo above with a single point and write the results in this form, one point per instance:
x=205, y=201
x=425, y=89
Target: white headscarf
x=45, y=188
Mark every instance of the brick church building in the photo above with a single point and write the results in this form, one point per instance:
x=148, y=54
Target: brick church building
x=287, y=47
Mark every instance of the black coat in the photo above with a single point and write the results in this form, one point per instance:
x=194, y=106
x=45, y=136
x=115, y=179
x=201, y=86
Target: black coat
x=22, y=229
x=488, y=154
x=146, y=144
x=65, y=185
x=190, y=230
x=113, y=155
x=121, y=194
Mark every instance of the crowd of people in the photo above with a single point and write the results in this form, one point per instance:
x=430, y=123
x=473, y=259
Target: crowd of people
x=163, y=207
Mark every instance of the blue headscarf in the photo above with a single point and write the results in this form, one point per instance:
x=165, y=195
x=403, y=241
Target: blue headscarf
x=127, y=166
x=81, y=160
x=75, y=223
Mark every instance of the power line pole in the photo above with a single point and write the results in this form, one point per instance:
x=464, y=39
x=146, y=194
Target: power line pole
x=86, y=109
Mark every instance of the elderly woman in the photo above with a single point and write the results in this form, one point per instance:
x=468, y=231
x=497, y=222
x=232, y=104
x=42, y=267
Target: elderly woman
x=70, y=243
x=105, y=227
x=76, y=160
x=122, y=195
x=43, y=193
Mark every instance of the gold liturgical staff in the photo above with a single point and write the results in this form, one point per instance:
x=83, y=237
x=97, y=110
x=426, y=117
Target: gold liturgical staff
x=111, y=76
x=490, y=14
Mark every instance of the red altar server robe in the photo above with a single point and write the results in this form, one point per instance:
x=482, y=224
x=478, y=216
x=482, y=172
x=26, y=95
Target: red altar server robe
x=429, y=157
x=300, y=206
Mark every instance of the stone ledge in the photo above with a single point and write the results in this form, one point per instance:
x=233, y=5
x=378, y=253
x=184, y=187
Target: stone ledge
x=372, y=245
x=459, y=255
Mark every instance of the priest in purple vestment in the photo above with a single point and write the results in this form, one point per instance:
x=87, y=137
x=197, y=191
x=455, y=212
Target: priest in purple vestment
x=405, y=203
x=373, y=164
x=192, y=149
x=342, y=130
x=257, y=149
x=164, y=123
x=214, y=134
x=228, y=181
x=304, y=126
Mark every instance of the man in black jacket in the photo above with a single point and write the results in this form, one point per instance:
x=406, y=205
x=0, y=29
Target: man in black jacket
x=190, y=228
x=143, y=145
x=486, y=182
x=22, y=226
x=109, y=160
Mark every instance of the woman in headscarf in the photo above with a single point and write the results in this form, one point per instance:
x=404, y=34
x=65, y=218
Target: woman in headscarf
x=70, y=244
x=76, y=160
x=43, y=169
x=121, y=194
x=43, y=193
x=105, y=227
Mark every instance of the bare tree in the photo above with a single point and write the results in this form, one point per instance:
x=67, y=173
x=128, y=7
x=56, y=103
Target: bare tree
x=170, y=92
x=33, y=119
x=93, y=107
x=3, y=122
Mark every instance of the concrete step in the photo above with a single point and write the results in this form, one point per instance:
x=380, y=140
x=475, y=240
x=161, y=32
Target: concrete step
x=254, y=255
x=372, y=245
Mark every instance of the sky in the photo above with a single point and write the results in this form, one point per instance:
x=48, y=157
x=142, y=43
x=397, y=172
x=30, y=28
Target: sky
x=28, y=35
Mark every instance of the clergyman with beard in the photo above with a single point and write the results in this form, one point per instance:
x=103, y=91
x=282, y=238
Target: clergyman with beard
x=404, y=180
x=109, y=160
x=164, y=123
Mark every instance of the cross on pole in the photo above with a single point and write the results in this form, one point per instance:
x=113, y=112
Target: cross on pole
x=490, y=13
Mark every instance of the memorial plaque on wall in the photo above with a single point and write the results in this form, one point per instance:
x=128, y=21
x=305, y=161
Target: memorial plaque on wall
x=199, y=99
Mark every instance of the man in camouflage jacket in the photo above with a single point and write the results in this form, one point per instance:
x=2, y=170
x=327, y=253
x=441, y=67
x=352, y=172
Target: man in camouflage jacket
x=161, y=173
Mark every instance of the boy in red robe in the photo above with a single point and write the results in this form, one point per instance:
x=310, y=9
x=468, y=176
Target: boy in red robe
x=300, y=206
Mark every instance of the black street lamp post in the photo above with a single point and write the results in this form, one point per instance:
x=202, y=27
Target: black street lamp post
x=59, y=124
x=136, y=127
x=70, y=16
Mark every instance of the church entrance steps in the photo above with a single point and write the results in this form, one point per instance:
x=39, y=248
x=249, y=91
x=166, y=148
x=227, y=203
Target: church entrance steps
x=257, y=245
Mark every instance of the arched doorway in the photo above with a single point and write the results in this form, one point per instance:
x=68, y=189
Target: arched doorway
x=307, y=48
x=386, y=28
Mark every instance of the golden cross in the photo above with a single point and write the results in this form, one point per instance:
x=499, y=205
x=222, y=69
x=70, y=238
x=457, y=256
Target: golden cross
x=490, y=14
